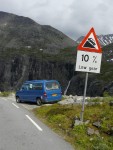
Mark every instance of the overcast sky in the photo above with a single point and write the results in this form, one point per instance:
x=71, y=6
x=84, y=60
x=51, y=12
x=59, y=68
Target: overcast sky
x=72, y=17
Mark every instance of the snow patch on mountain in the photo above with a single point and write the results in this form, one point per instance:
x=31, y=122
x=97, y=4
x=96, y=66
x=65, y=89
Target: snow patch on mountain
x=103, y=39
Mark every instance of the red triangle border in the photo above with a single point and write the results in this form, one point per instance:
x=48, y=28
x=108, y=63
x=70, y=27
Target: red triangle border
x=80, y=46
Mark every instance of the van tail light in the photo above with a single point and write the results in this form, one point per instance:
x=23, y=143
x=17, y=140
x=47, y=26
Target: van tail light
x=45, y=94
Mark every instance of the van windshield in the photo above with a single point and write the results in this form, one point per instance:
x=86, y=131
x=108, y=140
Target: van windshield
x=52, y=86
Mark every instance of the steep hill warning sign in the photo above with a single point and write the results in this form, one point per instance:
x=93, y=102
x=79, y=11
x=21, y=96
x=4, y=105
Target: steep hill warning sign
x=89, y=54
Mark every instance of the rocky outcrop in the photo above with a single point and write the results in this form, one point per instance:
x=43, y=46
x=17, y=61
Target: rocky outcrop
x=109, y=88
x=94, y=88
x=15, y=70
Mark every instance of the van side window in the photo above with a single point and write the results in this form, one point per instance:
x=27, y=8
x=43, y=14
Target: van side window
x=52, y=86
x=25, y=87
x=37, y=86
x=30, y=86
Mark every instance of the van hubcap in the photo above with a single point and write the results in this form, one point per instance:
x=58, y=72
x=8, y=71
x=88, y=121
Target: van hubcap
x=39, y=102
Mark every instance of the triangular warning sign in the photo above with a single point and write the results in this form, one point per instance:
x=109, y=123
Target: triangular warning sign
x=90, y=43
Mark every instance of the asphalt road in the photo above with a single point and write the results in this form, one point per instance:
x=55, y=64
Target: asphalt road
x=20, y=130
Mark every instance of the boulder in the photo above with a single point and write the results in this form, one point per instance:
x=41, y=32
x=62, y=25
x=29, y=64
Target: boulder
x=97, y=124
x=78, y=122
x=90, y=131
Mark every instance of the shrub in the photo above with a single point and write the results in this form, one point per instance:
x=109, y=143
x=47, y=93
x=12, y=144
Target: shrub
x=99, y=144
x=106, y=94
x=5, y=94
x=57, y=119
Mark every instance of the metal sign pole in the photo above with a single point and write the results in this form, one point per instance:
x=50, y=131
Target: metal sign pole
x=83, y=102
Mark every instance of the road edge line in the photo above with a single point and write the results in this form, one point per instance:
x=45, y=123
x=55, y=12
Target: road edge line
x=35, y=124
x=15, y=105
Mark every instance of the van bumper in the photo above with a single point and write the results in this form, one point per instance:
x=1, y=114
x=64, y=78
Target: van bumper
x=47, y=100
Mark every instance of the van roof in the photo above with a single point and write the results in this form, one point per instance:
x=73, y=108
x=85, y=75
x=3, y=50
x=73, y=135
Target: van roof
x=39, y=81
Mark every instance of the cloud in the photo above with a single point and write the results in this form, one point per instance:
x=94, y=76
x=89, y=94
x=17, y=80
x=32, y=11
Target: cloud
x=72, y=17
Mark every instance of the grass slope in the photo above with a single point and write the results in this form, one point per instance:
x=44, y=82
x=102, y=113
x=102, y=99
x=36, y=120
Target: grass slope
x=61, y=119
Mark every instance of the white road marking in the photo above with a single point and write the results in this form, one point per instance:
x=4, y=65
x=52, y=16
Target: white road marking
x=36, y=125
x=15, y=105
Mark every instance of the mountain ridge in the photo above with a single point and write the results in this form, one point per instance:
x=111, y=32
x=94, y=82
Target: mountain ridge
x=22, y=32
x=104, y=40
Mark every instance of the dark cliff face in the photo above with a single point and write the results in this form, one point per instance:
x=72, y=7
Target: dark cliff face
x=95, y=87
x=16, y=70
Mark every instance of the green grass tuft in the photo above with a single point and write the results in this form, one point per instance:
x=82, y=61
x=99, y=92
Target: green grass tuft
x=61, y=119
x=5, y=94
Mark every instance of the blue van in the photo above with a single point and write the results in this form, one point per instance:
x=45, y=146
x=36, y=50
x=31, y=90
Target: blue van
x=39, y=91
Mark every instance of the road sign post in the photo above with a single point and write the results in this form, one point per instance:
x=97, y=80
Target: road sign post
x=83, y=102
x=89, y=54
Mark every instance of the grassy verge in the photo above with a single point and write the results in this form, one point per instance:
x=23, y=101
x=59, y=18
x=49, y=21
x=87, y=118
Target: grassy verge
x=5, y=94
x=61, y=119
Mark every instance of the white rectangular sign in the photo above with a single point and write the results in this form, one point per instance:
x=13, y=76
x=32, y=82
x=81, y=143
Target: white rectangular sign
x=88, y=61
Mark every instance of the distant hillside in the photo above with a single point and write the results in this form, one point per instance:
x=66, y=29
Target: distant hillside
x=103, y=39
x=108, y=53
x=22, y=32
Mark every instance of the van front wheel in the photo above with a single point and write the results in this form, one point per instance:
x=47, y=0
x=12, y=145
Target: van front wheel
x=18, y=100
x=38, y=101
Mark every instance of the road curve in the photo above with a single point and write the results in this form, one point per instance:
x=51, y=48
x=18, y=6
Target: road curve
x=20, y=130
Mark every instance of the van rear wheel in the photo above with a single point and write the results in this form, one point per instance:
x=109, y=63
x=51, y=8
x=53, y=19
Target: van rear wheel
x=38, y=101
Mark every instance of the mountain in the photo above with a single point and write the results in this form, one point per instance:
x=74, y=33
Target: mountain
x=103, y=39
x=21, y=59
x=108, y=53
x=22, y=32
